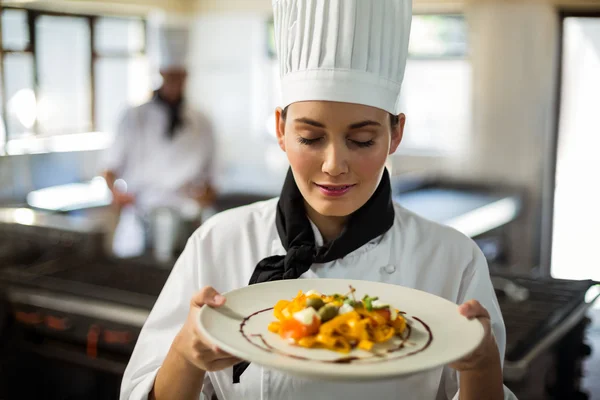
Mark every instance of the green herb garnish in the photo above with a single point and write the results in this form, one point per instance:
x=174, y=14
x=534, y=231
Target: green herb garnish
x=352, y=303
x=368, y=302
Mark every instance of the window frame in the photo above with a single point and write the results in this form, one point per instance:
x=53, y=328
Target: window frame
x=93, y=56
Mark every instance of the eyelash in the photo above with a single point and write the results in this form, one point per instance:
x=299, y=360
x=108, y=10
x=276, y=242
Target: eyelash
x=310, y=142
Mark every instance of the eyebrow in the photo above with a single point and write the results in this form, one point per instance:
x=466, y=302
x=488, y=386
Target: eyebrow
x=356, y=125
x=362, y=124
x=311, y=122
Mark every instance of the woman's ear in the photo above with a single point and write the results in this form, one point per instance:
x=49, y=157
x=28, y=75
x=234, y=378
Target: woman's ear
x=280, y=128
x=397, y=133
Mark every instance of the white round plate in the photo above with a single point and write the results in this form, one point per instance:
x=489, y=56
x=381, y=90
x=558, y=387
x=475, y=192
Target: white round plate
x=439, y=334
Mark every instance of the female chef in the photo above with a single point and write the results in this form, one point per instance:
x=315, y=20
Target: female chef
x=341, y=64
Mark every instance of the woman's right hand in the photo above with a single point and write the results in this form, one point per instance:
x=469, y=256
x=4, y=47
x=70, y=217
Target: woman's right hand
x=193, y=346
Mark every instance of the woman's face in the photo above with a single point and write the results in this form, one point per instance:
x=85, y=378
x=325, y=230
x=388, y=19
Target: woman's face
x=337, y=152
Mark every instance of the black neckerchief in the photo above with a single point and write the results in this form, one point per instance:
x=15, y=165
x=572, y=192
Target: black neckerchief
x=174, y=110
x=370, y=221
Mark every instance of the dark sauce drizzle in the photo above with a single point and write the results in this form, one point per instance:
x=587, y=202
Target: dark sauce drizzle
x=343, y=360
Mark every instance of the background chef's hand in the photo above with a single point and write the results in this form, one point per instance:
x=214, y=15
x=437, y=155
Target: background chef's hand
x=121, y=199
x=205, y=195
x=194, y=347
x=487, y=352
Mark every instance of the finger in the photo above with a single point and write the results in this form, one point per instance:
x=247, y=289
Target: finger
x=203, y=345
x=220, y=353
x=473, y=309
x=208, y=296
x=487, y=325
x=220, y=356
x=206, y=347
x=209, y=355
x=223, y=363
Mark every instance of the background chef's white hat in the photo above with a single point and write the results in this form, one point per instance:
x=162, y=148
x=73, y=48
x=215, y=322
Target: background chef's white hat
x=170, y=35
x=351, y=51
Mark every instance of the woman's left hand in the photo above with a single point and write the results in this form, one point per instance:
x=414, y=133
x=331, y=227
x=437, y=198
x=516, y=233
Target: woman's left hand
x=486, y=354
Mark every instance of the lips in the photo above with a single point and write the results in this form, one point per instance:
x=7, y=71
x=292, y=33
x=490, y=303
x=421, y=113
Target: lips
x=334, y=187
x=334, y=190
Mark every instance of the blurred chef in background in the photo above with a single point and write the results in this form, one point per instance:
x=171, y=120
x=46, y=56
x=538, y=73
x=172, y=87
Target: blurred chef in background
x=163, y=153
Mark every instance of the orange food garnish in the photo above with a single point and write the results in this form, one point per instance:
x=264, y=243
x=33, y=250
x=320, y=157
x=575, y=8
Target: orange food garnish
x=294, y=329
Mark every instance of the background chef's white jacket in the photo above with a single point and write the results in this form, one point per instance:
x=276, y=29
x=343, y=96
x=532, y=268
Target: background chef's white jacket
x=155, y=167
x=223, y=252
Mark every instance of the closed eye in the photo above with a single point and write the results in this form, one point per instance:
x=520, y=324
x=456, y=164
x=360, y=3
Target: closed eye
x=306, y=141
x=315, y=141
x=368, y=143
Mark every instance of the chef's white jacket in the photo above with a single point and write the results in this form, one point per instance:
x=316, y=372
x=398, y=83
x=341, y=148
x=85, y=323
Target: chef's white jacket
x=223, y=253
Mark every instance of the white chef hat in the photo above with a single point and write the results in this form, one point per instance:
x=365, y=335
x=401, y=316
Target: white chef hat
x=171, y=34
x=351, y=51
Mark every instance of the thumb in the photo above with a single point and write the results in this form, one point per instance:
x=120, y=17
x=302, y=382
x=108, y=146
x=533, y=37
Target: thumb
x=207, y=296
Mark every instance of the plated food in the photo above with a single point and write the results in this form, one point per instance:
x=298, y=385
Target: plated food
x=337, y=322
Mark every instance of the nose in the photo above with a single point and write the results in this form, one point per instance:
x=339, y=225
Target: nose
x=336, y=160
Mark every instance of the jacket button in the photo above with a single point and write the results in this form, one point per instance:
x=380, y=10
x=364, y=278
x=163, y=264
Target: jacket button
x=388, y=269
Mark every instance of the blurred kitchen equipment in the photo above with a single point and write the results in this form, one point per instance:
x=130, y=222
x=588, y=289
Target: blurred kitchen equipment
x=510, y=289
x=29, y=236
x=169, y=229
x=71, y=313
x=165, y=227
x=483, y=212
x=545, y=334
x=71, y=197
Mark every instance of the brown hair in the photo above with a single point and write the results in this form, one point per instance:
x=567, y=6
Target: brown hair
x=394, y=119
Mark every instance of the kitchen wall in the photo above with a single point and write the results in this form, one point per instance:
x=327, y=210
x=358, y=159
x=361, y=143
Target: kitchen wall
x=233, y=84
x=515, y=74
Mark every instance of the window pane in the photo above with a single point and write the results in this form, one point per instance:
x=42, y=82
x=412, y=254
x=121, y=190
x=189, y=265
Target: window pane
x=438, y=36
x=63, y=51
x=118, y=35
x=436, y=98
x=2, y=117
x=20, y=98
x=119, y=82
x=576, y=213
x=15, y=35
